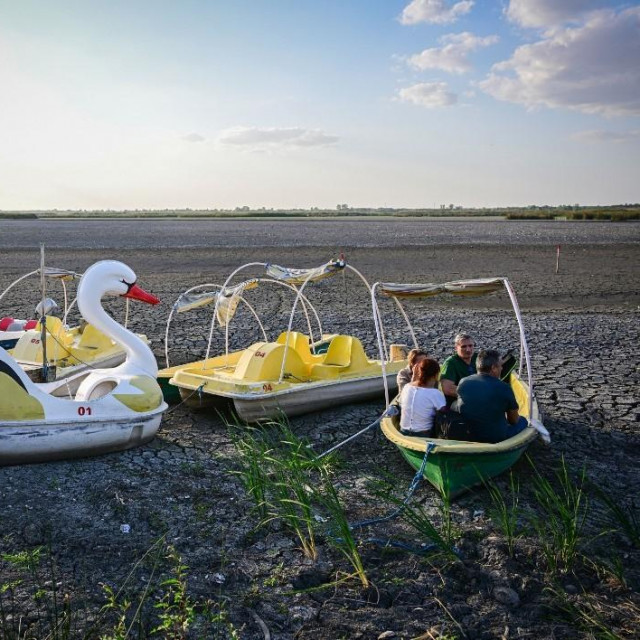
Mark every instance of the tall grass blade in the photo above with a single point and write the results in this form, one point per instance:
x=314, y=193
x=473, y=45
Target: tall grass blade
x=340, y=535
x=505, y=511
x=561, y=518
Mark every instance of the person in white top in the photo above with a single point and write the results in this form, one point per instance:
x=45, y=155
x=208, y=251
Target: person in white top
x=420, y=399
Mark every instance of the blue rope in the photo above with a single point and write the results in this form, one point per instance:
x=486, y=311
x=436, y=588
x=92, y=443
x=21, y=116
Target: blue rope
x=389, y=542
x=412, y=488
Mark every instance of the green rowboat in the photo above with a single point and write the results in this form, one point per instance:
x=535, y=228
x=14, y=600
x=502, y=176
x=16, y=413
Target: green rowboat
x=453, y=466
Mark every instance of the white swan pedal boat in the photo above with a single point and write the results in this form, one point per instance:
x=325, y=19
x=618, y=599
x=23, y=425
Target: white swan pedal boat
x=114, y=408
x=71, y=351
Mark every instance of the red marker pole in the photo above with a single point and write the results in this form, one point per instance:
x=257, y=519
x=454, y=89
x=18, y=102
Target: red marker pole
x=557, y=258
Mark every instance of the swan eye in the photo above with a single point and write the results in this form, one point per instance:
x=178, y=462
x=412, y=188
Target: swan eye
x=128, y=284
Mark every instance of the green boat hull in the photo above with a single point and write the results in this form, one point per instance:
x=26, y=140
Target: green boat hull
x=170, y=393
x=455, y=473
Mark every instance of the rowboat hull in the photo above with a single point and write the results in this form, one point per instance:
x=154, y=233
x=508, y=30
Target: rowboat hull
x=454, y=473
x=21, y=442
x=454, y=467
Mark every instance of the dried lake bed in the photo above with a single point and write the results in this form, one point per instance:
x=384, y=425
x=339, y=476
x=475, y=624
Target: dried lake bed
x=582, y=324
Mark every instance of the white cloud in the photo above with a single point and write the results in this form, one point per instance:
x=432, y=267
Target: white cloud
x=452, y=56
x=275, y=137
x=193, y=137
x=592, y=68
x=434, y=11
x=548, y=13
x=598, y=136
x=429, y=94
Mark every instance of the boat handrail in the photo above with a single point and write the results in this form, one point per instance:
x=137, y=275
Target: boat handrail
x=33, y=273
x=217, y=303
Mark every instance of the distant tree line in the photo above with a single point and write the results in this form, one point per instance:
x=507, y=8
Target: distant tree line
x=616, y=213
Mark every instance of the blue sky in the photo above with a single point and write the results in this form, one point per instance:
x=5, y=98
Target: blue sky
x=301, y=103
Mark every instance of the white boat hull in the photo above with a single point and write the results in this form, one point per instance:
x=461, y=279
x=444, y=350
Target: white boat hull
x=22, y=442
x=311, y=397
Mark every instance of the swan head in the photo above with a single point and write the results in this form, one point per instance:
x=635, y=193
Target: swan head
x=113, y=278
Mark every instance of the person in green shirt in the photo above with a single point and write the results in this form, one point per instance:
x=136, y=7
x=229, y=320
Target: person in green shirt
x=458, y=366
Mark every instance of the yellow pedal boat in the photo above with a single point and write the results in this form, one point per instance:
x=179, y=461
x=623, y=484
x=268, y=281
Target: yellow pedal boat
x=269, y=378
x=298, y=373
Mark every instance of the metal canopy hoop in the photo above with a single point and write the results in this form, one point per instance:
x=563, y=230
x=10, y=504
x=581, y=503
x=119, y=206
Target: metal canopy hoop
x=309, y=278
x=479, y=286
x=174, y=308
x=306, y=304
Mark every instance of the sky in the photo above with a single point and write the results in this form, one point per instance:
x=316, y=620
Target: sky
x=204, y=104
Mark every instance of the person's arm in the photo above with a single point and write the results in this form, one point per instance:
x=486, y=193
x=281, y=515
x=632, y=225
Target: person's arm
x=513, y=416
x=447, y=378
x=403, y=378
x=512, y=407
x=449, y=388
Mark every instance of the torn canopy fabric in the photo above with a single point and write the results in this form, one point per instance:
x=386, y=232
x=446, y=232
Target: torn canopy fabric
x=226, y=306
x=476, y=287
x=60, y=274
x=300, y=276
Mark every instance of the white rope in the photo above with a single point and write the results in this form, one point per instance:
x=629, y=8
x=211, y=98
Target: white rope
x=524, y=348
x=377, y=323
x=391, y=410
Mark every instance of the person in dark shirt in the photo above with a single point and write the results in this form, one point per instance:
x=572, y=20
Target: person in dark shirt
x=487, y=404
x=458, y=366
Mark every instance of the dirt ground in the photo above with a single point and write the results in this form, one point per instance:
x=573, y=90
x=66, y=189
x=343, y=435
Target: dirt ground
x=181, y=492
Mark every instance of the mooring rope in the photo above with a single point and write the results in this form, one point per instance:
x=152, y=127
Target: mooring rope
x=412, y=488
x=198, y=390
x=390, y=542
x=390, y=411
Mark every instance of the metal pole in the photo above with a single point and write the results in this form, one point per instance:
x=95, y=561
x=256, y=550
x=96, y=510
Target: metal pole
x=43, y=319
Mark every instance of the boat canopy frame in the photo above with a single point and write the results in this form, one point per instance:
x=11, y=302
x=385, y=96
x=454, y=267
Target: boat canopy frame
x=478, y=286
x=301, y=277
x=55, y=274
x=241, y=298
